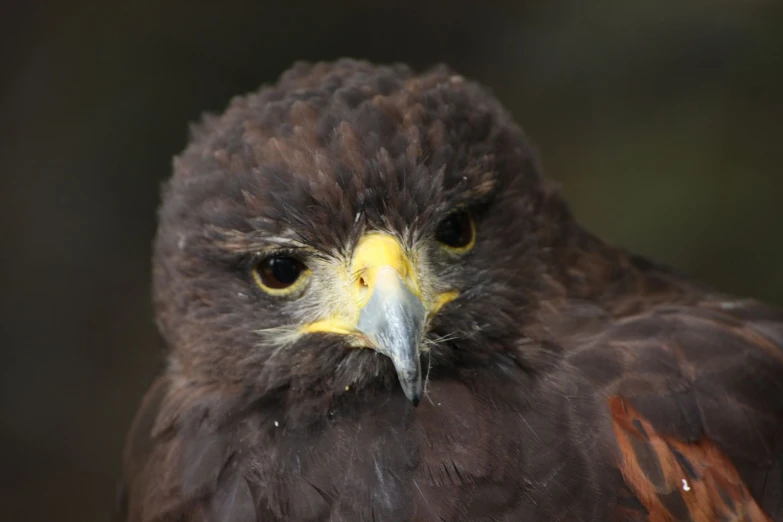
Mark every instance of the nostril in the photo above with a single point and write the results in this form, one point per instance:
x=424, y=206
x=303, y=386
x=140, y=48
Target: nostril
x=362, y=281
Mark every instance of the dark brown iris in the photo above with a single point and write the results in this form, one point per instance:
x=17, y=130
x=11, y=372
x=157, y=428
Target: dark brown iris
x=279, y=272
x=456, y=231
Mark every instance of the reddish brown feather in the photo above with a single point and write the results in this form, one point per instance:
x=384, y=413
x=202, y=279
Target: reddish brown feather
x=697, y=477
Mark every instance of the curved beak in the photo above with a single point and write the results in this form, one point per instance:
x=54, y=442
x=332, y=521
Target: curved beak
x=392, y=320
x=382, y=306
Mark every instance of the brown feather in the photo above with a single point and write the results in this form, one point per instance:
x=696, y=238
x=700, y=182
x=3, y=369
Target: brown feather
x=570, y=380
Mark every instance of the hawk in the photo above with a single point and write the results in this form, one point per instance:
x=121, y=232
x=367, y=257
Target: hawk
x=377, y=308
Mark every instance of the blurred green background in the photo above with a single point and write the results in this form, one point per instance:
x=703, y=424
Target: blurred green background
x=662, y=120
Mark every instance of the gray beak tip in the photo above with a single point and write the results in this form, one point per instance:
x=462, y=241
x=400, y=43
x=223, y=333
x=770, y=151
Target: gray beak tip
x=411, y=387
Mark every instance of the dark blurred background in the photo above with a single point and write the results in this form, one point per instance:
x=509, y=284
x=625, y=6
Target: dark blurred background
x=661, y=119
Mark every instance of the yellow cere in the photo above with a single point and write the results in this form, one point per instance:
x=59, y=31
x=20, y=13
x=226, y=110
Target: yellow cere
x=378, y=250
x=375, y=251
x=331, y=325
x=443, y=299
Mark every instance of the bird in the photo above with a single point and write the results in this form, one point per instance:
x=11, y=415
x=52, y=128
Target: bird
x=378, y=307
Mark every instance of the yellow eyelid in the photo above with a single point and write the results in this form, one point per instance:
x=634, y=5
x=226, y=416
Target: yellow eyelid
x=289, y=290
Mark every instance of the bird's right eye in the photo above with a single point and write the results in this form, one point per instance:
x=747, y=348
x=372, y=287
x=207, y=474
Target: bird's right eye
x=279, y=273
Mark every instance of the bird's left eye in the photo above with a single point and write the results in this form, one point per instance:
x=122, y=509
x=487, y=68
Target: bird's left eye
x=457, y=232
x=278, y=272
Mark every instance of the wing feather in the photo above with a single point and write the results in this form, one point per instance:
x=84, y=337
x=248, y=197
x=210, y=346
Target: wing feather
x=696, y=407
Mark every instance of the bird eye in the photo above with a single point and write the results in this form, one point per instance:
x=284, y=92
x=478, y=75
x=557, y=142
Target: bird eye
x=278, y=272
x=457, y=232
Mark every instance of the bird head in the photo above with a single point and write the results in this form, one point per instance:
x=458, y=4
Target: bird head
x=334, y=230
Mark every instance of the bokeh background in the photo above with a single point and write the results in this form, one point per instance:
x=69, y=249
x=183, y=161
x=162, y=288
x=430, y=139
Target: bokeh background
x=662, y=120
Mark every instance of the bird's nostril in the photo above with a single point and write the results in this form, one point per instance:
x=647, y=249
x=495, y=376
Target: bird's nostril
x=362, y=282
